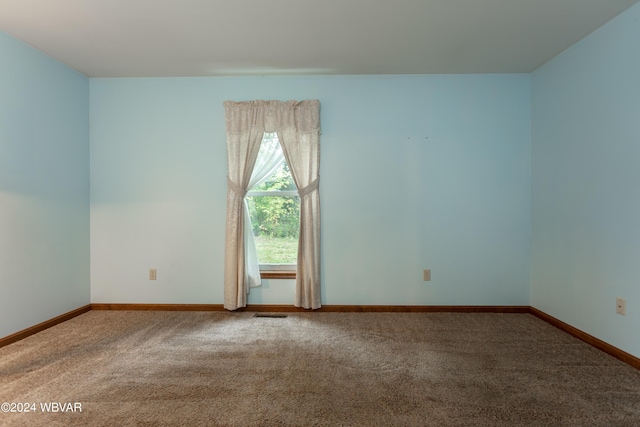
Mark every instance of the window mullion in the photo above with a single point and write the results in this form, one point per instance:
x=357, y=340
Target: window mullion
x=272, y=193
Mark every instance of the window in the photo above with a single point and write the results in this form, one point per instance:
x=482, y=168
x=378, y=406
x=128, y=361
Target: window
x=274, y=209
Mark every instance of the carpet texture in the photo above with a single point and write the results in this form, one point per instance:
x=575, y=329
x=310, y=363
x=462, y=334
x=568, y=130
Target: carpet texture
x=314, y=369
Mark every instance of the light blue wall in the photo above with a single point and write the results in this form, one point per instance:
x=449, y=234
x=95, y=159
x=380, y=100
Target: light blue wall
x=44, y=187
x=586, y=176
x=417, y=172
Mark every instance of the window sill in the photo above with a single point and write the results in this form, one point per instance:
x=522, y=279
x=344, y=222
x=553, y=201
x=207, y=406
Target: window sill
x=278, y=274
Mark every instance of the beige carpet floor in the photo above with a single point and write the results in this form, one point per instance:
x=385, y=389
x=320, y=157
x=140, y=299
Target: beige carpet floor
x=313, y=369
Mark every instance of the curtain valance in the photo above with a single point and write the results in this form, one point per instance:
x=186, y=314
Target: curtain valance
x=272, y=116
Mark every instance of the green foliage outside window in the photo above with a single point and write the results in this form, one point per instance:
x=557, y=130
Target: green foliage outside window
x=275, y=216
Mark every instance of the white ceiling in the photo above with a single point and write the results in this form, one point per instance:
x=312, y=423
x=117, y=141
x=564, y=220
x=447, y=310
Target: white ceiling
x=154, y=38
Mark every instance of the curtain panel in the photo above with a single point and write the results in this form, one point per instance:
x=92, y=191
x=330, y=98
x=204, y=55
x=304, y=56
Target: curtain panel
x=297, y=124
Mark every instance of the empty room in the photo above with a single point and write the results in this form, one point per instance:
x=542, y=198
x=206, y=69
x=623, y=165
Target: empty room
x=319, y=213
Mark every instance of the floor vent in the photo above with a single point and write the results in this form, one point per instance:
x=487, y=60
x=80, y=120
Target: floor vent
x=270, y=315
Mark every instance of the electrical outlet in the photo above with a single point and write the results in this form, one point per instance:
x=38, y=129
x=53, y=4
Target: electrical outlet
x=621, y=306
x=426, y=275
x=152, y=274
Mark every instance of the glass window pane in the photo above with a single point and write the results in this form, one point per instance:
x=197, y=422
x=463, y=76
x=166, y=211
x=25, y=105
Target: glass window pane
x=275, y=219
x=276, y=224
x=280, y=180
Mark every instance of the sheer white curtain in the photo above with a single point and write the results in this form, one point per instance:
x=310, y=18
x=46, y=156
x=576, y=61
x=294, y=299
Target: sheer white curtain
x=269, y=159
x=298, y=127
